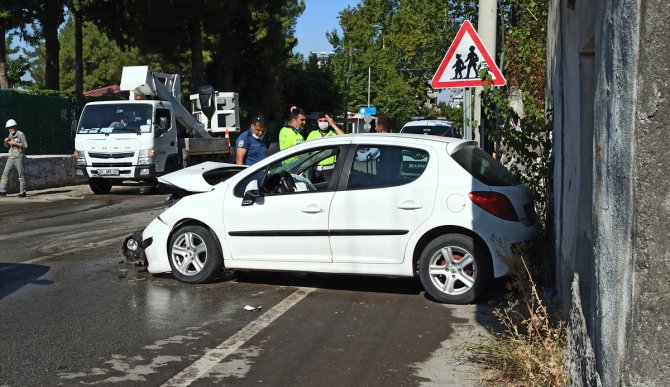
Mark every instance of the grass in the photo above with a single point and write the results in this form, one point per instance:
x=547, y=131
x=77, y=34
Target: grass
x=530, y=347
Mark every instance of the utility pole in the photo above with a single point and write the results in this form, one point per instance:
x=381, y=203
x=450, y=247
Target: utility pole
x=486, y=29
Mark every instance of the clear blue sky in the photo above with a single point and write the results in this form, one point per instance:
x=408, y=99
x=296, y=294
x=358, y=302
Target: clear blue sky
x=320, y=16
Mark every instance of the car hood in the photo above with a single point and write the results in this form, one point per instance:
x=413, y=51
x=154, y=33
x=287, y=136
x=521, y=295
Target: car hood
x=193, y=178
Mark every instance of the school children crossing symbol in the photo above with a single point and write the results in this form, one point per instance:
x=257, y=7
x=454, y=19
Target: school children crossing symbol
x=460, y=66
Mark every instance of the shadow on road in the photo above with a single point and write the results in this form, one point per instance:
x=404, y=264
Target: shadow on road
x=398, y=285
x=14, y=276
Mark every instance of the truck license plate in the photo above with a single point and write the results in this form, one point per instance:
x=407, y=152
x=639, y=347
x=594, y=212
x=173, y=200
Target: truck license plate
x=108, y=172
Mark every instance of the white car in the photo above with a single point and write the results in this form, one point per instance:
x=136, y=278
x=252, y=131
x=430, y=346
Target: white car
x=433, y=207
x=431, y=127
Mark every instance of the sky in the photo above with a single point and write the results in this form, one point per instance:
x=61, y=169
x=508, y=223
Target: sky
x=320, y=16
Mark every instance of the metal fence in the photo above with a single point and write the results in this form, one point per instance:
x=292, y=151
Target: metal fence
x=45, y=120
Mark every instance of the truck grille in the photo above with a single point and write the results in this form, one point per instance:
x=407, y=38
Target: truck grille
x=111, y=155
x=112, y=164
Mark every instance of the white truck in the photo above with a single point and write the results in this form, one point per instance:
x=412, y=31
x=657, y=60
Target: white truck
x=151, y=133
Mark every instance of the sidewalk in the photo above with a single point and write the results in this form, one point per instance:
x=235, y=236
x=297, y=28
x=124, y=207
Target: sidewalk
x=50, y=194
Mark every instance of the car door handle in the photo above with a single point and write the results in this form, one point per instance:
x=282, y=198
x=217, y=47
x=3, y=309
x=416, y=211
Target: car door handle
x=410, y=205
x=312, y=209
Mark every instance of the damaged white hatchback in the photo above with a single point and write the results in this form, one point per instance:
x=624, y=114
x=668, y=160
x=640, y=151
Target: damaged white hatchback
x=437, y=208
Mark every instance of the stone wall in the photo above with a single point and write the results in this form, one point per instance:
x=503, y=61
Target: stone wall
x=44, y=172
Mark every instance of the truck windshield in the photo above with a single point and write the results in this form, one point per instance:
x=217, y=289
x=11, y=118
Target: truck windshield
x=116, y=118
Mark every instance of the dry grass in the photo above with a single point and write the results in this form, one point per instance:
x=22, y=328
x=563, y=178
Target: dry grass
x=530, y=349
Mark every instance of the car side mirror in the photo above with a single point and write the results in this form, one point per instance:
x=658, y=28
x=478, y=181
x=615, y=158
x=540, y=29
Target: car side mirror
x=161, y=127
x=73, y=128
x=251, y=192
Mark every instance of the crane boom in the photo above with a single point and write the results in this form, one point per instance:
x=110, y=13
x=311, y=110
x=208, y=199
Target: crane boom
x=141, y=81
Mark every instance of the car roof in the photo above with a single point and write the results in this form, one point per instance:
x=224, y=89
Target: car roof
x=367, y=137
x=429, y=123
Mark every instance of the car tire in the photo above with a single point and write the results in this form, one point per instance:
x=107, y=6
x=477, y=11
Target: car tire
x=100, y=186
x=194, y=254
x=455, y=269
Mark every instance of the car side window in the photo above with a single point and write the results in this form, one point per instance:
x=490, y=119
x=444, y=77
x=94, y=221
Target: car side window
x=386, y=166
x=309, y=171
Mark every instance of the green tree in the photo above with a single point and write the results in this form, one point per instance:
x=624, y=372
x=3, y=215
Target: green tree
x=402, y=42
x=49, y=14
x=251, y=44
x=14, y=17
x=102, y=66
x=312, y=85
x=17, y=67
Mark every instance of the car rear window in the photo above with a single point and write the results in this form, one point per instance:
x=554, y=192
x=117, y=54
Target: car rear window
x=441, y=130
x=483, y=167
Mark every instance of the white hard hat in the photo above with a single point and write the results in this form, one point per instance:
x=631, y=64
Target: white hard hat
x=10, y=123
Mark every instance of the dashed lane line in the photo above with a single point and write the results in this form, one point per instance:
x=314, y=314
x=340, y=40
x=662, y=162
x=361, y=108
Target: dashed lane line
x=213, y=357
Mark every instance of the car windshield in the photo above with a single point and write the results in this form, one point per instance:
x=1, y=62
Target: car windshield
x=116, y=118
x=483, y=167
x=436, y=130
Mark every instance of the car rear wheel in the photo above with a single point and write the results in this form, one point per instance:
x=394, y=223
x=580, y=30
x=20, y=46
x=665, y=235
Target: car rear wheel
x=100, y=186
x=195, y=256
x=454, y=269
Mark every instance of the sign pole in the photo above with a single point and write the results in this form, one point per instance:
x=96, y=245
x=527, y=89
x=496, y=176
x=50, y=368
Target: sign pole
x=369, y=73
x=465, y=109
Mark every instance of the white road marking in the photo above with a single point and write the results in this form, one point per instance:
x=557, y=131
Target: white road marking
x=229, y=346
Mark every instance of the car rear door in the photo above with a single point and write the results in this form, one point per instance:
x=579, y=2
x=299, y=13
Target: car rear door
x=381, y=202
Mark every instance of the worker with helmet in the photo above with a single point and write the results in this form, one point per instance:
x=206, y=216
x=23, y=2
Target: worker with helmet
x=16, y=142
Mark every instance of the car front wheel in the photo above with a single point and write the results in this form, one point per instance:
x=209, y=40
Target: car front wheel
x=454, y=269
x=195, y=256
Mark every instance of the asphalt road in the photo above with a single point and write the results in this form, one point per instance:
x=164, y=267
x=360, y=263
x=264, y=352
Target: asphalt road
x=72, y=312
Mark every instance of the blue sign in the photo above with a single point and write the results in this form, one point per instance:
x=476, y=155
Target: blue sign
x=367, y=110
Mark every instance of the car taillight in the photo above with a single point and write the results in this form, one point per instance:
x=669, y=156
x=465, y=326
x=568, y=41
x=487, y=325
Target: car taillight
x=495, y=204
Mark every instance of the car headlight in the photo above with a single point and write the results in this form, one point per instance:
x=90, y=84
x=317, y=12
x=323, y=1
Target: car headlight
x=146, y=157
x=80, y=158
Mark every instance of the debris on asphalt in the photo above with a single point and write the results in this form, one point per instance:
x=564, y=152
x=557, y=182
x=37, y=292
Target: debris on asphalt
x=252, y=308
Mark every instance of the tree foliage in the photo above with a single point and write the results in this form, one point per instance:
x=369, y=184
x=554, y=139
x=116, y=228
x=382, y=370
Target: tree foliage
x=103, y=62
x=402, y=42
x=523, y=135
x=312, y=86
x=14, y=17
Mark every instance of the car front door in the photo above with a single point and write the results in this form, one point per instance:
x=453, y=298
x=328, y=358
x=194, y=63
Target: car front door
x=289, y=221
x=389, y=193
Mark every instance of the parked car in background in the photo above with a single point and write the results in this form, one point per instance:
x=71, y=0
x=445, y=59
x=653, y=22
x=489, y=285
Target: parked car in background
x=437, y=208
x=431, y=127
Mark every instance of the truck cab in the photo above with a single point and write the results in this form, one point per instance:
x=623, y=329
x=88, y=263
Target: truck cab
x=125, y=140
x=138, y=139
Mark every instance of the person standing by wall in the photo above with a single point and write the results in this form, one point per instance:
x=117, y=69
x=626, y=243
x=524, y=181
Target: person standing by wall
x=16, y=142
x=327, y=128
x=250, y=144
x=291, y=134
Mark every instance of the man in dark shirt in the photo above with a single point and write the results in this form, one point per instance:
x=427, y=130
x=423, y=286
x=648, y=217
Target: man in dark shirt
x=250, y=145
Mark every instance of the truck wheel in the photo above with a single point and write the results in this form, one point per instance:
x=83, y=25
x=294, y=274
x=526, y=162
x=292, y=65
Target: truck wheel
x=195, y=256
x=455, y=269
x=100, y=186
x=171, y=165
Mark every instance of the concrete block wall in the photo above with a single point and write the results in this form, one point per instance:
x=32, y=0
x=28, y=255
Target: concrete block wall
x=608, y=84
x=41, y=172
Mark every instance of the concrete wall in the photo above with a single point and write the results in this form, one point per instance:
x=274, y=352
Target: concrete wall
x=647, y=357
x=44, y=172
x=571, y=77
x=608, y=76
